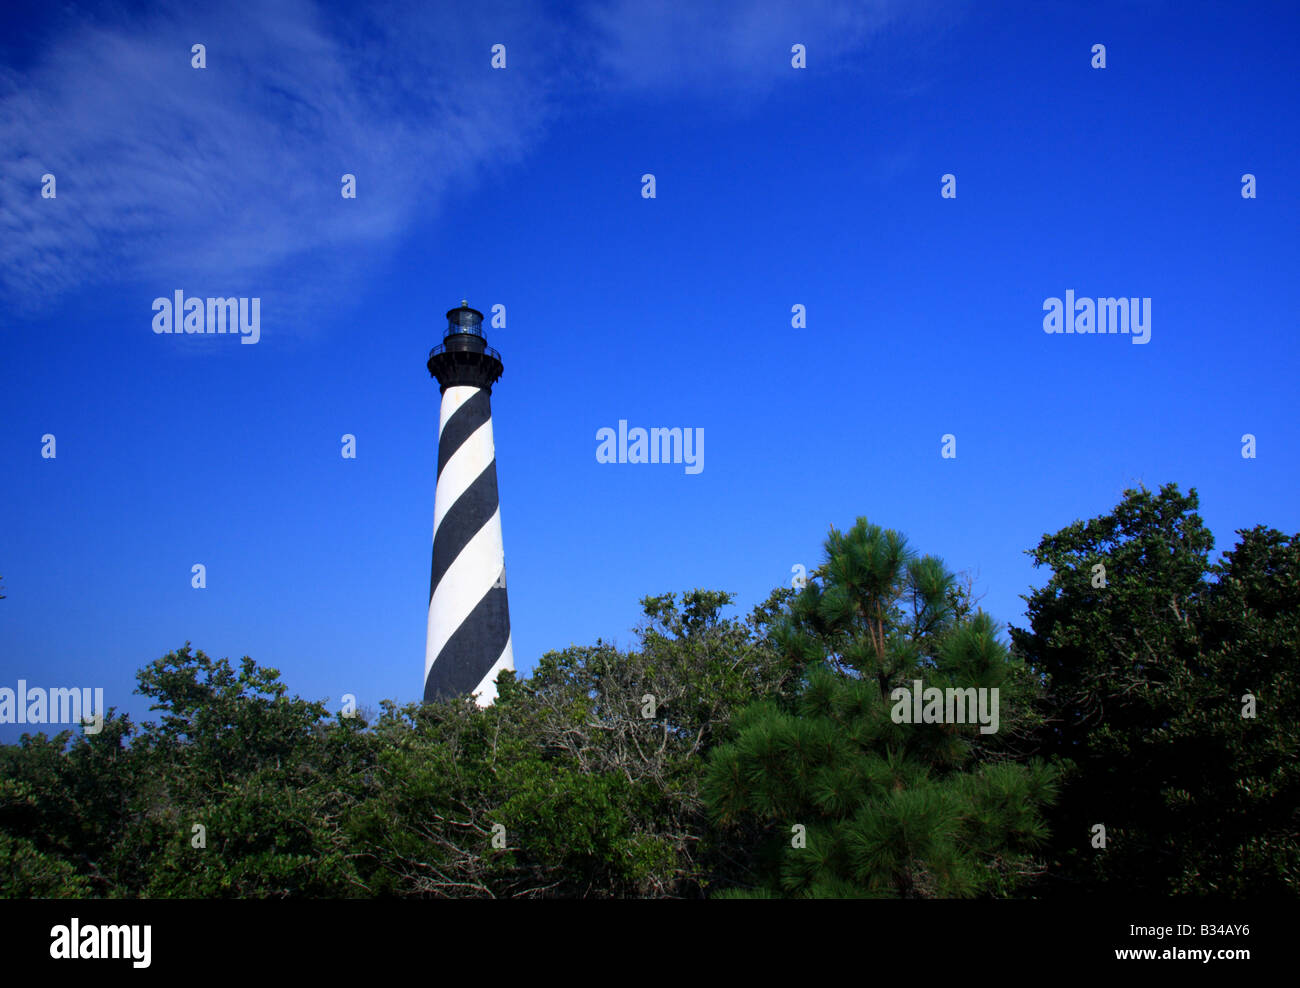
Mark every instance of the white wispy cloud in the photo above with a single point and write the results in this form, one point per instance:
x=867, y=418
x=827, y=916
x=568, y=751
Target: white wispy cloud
x=226, y=179
x=722, y=47
x=169, y=172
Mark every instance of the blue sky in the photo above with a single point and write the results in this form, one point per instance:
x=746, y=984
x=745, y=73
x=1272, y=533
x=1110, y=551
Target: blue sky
x=776, y=186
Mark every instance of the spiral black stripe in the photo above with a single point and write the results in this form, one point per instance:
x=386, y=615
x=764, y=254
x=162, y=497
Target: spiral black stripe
x=471, y=512
x=472, y=650
x=463, y=423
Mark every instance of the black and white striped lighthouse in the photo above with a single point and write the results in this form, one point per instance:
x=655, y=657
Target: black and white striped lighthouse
x=469, y=621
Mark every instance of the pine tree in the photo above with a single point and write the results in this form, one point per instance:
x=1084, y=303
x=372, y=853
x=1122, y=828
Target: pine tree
x=854, y=803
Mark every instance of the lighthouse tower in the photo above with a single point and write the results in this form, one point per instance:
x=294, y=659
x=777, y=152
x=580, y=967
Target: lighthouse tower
x=469, y=622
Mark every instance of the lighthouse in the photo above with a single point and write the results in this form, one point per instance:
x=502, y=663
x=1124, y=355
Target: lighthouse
x=469, y=621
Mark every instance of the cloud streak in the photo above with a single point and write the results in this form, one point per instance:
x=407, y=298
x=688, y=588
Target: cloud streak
x=719, y=47
x=226, y=179
x=165, y=171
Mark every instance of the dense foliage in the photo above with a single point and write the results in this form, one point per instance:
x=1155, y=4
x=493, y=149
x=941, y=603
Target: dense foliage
x=761, y=756
x=581, y=780
x=1151, y=665
x=879, y=807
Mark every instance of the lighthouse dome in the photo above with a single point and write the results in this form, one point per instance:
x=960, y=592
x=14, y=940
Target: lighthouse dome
x=464, y=320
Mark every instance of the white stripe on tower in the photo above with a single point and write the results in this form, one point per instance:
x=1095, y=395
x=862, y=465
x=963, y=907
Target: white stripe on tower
x=462, y=587
x=464, y=467
x=469, y=639
x=506, y=661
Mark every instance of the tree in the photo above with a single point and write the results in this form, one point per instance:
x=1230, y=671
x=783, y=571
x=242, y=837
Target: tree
x=590, y=767
x=582, y=780
x=255, y=769
x=237, y=792
x=1148, y=666
x=64, y=802
x=846, y=799
x=1232, y=747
